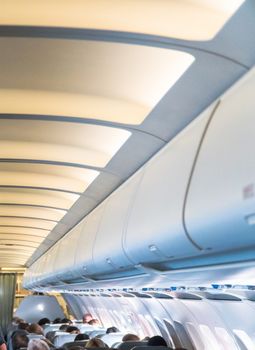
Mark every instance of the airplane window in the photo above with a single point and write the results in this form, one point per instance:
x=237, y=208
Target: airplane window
x=245, y=339
x=225, y=339
x=210, y=342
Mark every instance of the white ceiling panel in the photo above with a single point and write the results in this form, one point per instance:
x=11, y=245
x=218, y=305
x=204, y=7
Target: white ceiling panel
x=23, y=222
x=87, y=79
x=174, y=18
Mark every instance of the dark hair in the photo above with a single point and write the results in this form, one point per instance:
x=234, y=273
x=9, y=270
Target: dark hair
x=63, y=327
x=43, y=321
x=57, y=320
x=71, y=329
x=35, y=328
x=130, y=337
x=81, y=336
x=157, y=340
x=19, y=340
x=23, y=326
x=66, y=320
x=112, y=330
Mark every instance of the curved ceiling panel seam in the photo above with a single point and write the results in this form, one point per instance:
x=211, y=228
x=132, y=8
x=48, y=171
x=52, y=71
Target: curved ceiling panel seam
x=27, y=217
x=112, y=37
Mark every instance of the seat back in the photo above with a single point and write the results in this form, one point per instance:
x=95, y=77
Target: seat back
x=35, y=336
x=96, y=333
x=61, y=339
x=128, y=345
x=69, y=345
x=112, y=338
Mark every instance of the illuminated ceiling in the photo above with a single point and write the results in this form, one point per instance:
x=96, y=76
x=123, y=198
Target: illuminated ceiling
x=73, y=112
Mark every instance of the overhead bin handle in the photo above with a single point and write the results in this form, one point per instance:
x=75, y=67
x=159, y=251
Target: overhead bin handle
x=149, y=270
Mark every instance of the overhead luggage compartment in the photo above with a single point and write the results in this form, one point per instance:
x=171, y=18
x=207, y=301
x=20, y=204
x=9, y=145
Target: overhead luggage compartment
x=109, y=257
x=220, y=211
x=155, y=231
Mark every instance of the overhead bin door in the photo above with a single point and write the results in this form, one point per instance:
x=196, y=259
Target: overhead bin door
x=220, y=212
x=108, y=254
x=155, y=231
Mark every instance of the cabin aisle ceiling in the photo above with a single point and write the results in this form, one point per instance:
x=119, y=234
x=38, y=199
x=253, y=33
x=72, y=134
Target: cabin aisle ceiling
x=88, y=96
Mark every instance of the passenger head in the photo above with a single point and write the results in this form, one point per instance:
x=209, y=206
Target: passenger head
x=81, y=336
x=23, y=326
x=96, y=343
x=157, y=340
x=86, y=318
x=43, y=321
x=63, y=327
x=112, y=330
x=37, y=344
x=72, y=330
x=35, y=328
x=130, y=337
x=57, y=320
x=66, y=320
x=94, y=322
x=20, y=340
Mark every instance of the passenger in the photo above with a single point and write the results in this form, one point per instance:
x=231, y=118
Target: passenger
x=35, y=328
x=2, y=344
x=96, y=343
x=86, y=318
x=23, y=325
x=94, y=322
x=76, y=347
x=57, y=320
x=157, y=340
x=63, y=327
x=130, y=337
x=37, y=344
x=43, y=321
x=72, y=330
x=19, y=340
x=81, y=336
x=66, y=320
x=112, y=330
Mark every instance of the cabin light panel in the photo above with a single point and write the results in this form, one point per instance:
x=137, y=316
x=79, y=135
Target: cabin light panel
x=178, y=19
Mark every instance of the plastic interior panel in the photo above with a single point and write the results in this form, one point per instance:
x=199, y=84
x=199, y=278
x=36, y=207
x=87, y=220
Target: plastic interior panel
x=220, y=214
x=67, y=251
x=33, y=304
x=108, y=252
x=156, y=216
x=84, y=259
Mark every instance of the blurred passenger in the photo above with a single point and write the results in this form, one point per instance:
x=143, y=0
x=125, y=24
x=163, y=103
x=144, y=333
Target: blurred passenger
x=96, y=343
x=23, y=325
x=157, y=340
x=43, y=321
x=86, y=318
x=19, y=340
x=72, y=330
x=112, y=330
x=130, y=337
x=63, y=327
x=2, y=344
x=37, y=344
x=57, y=320
x=81, y=336
x=94, y=322
x=35, y=328
x=66, y=320
x=76, y=347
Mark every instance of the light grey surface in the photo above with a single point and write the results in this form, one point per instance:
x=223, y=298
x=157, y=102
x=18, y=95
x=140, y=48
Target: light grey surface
x=34, y=307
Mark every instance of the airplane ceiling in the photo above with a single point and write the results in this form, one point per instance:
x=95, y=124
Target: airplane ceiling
x=90, y=90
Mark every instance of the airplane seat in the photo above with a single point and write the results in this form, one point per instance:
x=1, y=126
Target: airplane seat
x=151, y=348
x=84, y=327
x=51, y=328
x=61, y=339
x=128, y=345
x=69, y=345
x=50, y=335
x=112, y=338
x=35, y=336
x=96, y=333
